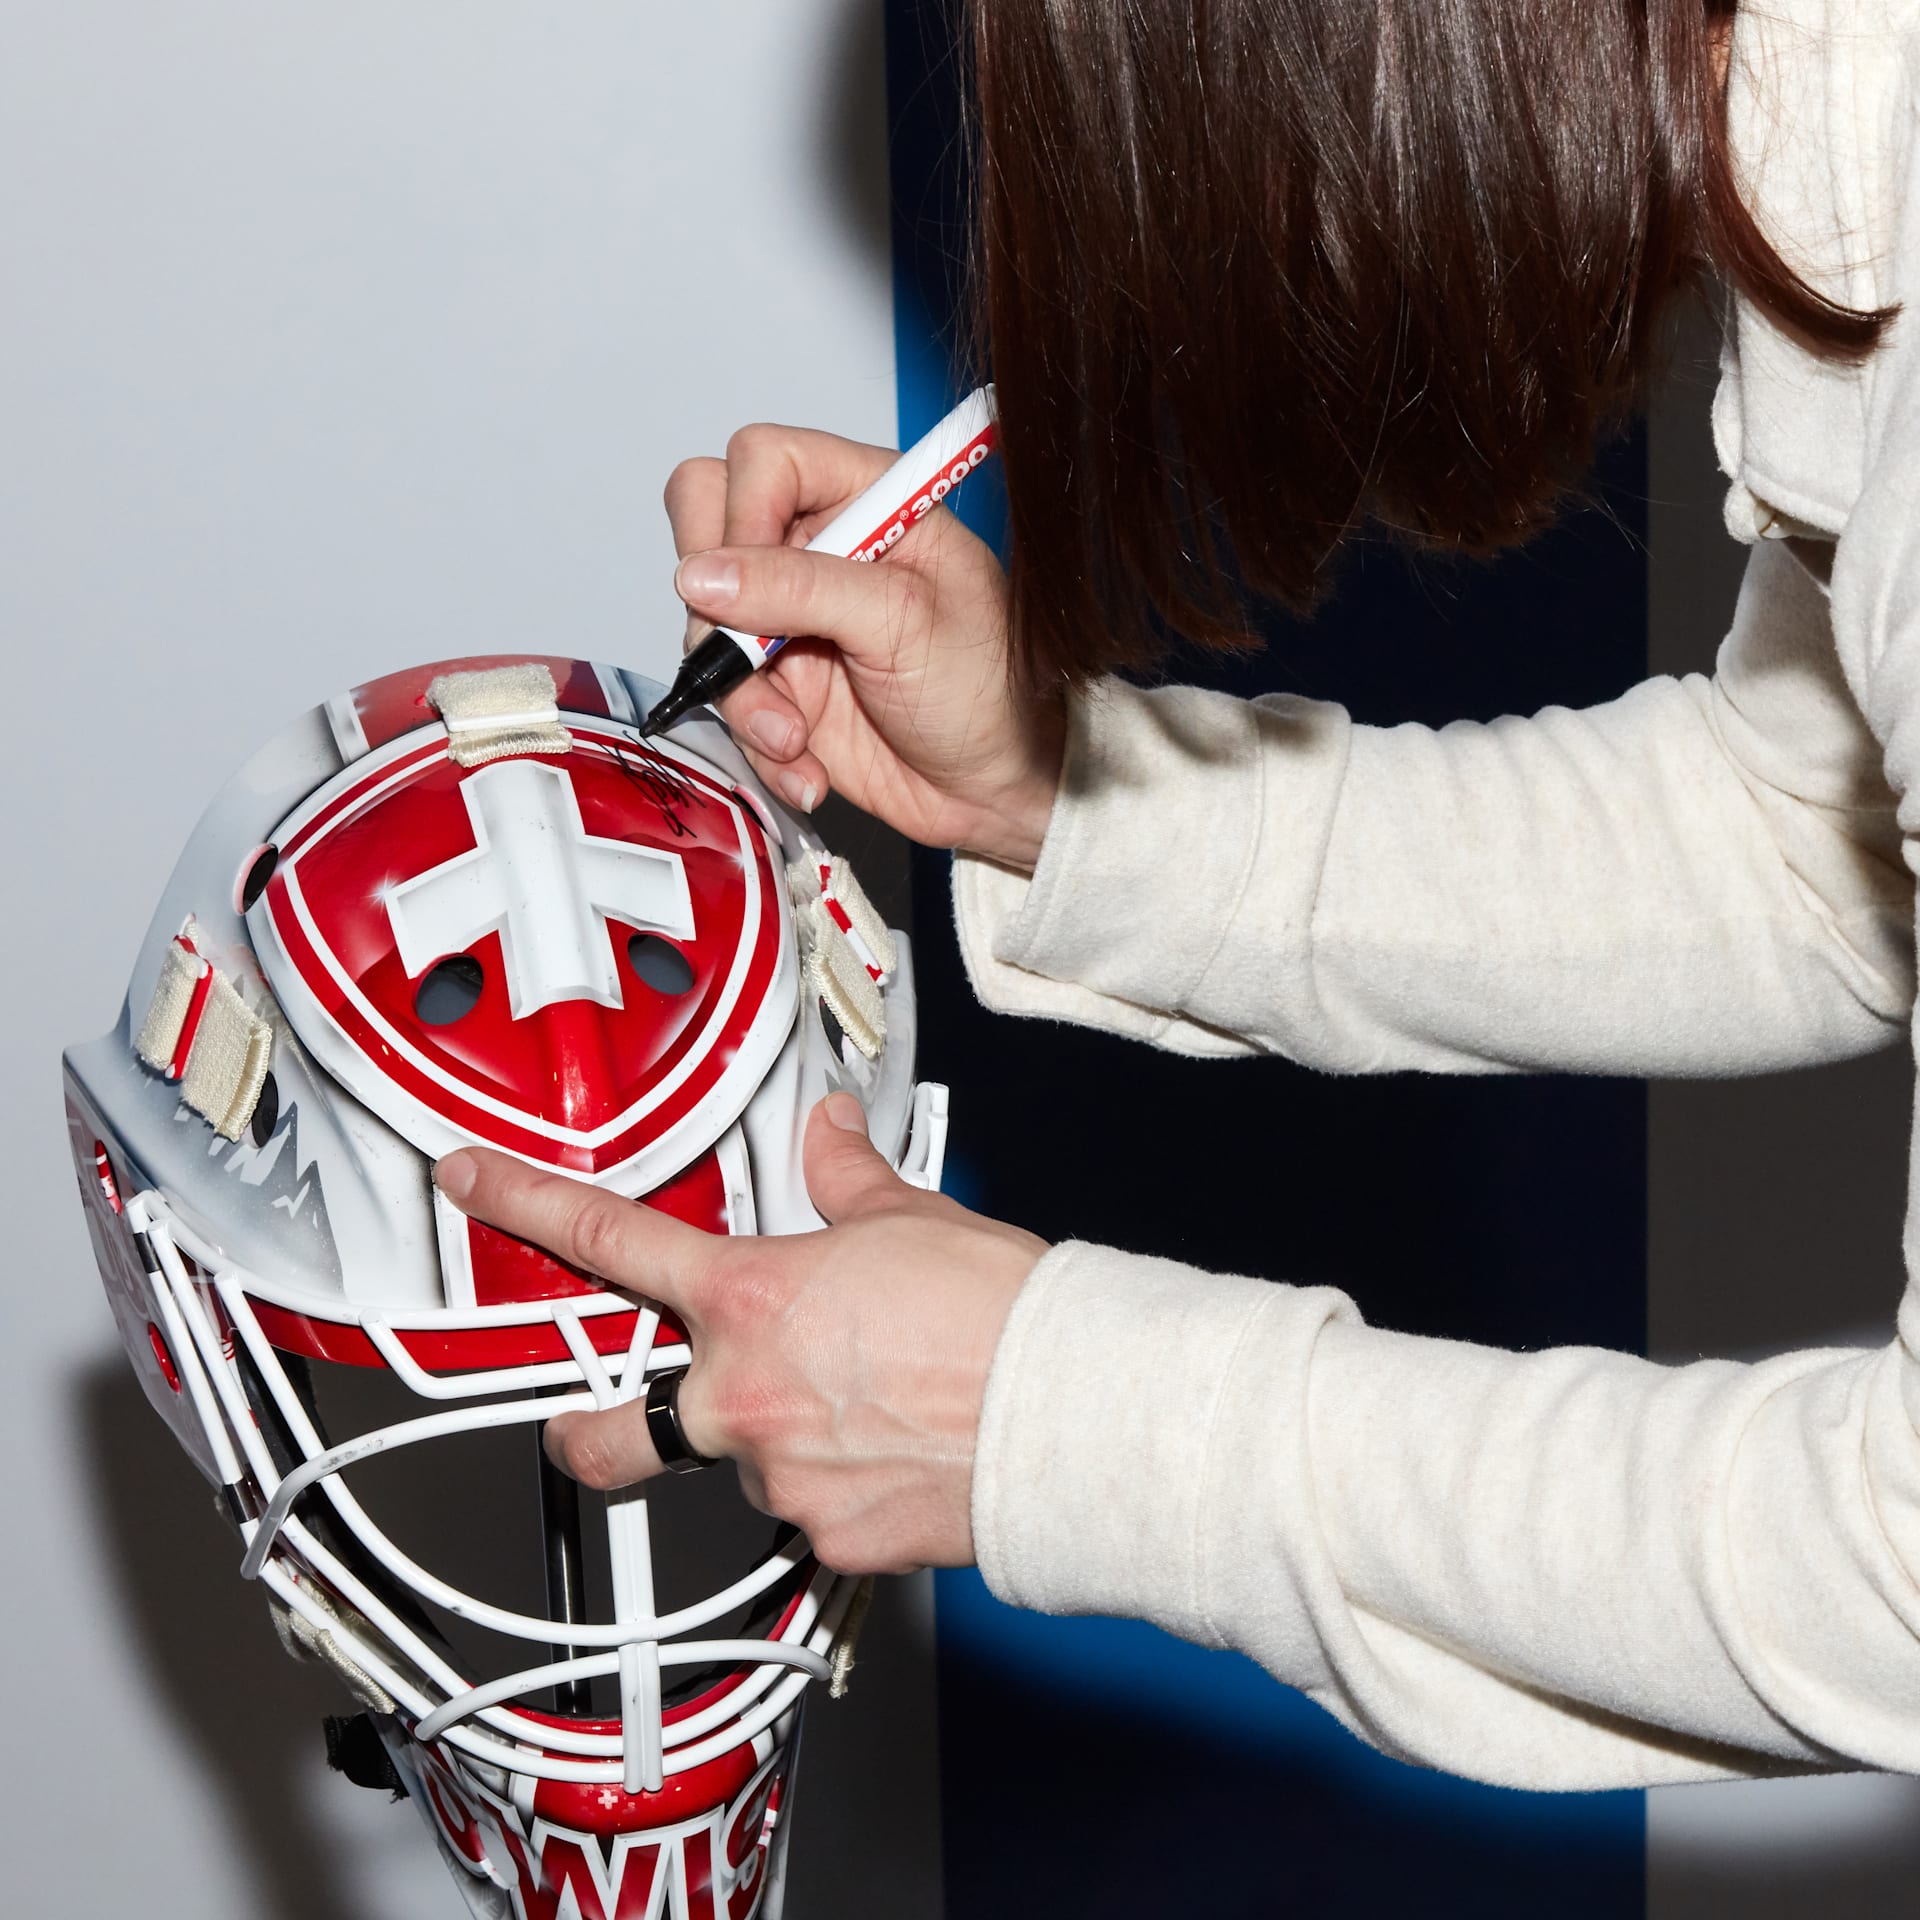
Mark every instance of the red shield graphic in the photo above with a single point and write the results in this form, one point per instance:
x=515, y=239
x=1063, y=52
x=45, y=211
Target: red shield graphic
x=578, y=958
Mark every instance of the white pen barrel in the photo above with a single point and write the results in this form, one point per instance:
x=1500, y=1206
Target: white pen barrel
x=906, y=493
x=940, y=459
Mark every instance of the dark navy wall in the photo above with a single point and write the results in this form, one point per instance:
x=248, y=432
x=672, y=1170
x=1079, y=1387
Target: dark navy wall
x=1099, y=1767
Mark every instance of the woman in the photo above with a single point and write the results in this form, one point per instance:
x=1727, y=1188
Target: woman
x=1256, y=275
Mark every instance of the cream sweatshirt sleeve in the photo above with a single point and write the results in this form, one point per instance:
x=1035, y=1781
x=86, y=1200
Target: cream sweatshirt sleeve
x=1700, y=877
x=1570, y=1568
x=1566, y=1569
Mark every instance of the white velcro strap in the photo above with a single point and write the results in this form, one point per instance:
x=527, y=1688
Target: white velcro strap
x=840, y=1654
x=840, y=977
x=495, y=711
x=228, y=1064
x=179, y=996
x=200, y=1032
x=300, y=1639
x=854, y=914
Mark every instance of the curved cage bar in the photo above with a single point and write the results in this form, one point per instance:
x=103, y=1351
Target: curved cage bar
x=367, y=1446
x=546, y=1766
x=466, y=1606
x=648, y=1750
x=597, y=1665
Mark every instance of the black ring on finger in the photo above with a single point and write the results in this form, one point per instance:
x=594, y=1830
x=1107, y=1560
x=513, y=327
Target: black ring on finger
x=669, y=1437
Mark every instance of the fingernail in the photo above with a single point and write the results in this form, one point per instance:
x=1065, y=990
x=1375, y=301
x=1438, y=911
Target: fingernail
x=454, y=1175
x=777, y=732
x=845, y=1112
x=800, y=792
x=710, y=578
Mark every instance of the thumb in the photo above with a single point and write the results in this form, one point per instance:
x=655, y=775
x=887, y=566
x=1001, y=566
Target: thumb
x=866, y=611
x=846, y=1175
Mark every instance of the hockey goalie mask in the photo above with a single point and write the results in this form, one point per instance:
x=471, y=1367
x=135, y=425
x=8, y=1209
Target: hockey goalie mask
x=465, y=905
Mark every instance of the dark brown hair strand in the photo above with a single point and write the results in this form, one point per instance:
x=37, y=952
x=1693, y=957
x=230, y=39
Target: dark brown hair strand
x=1256, y=274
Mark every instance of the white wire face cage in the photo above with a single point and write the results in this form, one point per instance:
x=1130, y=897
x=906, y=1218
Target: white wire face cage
x=625, y=1755
x=513, y=1792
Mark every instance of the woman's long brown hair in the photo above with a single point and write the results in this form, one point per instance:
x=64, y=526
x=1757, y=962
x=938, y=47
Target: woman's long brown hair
x=1256, y=274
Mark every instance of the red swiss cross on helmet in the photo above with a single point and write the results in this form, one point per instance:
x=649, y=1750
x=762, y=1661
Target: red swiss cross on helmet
x=579, y=954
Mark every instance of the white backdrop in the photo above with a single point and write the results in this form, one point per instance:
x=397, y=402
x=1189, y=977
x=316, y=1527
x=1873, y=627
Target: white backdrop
x=332, y=338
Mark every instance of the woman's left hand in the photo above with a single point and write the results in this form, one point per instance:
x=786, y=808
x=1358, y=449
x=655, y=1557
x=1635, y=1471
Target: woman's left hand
x=843, y=1370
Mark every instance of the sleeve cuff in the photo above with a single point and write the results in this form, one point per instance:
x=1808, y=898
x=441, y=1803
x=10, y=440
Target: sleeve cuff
x=1094, y=1473
x=1167, y=800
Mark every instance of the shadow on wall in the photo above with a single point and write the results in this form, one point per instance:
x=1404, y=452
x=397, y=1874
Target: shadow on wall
x=249, y=1715
x=1843, y=1847
x=850, y=151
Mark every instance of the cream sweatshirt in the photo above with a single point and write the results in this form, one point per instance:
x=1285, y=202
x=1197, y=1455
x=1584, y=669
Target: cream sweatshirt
x=1571, y=1568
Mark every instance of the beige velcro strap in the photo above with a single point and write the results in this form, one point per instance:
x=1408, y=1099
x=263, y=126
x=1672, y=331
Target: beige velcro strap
x=856, y=917
x=840, y=1654
x=837, y=975
x=826, y=877
x=300, y=1639
x=494, y=711
x=200, y=1032
x=184, y=979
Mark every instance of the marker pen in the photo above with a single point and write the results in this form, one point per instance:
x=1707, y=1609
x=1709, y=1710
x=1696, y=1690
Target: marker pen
x=865, y=529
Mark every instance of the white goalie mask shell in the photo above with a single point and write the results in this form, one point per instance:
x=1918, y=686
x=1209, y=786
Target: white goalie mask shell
x=464, y=905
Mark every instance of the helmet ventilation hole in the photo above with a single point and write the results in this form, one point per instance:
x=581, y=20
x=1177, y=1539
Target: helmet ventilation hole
x=835, y=1032
x=450, y=991
x=266, y=1112
x=660, y=963
x=255, y=875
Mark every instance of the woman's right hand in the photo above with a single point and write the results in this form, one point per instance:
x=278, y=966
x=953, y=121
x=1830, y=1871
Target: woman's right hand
x=894, y=690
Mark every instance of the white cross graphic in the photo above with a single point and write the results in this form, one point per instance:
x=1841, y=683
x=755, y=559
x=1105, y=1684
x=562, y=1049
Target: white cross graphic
x=546, y=883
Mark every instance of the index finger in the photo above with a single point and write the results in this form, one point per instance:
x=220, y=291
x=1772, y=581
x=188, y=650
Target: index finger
x=779, y=475
x=696, y=503
x=633, y=1246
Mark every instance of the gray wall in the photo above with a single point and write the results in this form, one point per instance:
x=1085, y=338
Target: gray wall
x=332, y=338
x=1774, y=1222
